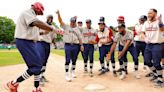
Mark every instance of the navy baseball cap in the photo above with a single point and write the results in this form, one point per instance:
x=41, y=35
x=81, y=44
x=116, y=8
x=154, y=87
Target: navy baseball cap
x=101, y=22
x=102, y=18
x=73, y=19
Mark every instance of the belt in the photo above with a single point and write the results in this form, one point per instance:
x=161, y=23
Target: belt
x=27, y=40
x=153, y=43
x=71, y=44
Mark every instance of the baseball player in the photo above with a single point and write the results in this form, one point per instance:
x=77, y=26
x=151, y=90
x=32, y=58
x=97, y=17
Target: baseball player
x=139, y=41
x=43, y=46
x=73, y=44
x=104, y=39
x=121, y=20
x=88, y=34
x=26, y=34
x=125, y=39
x=102, y=19
x=80, y=24
x=153, y=30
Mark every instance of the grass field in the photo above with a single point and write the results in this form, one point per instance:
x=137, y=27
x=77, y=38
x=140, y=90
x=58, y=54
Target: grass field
x=11, y=57
x=96, y=55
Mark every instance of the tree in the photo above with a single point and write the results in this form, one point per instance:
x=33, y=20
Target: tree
x=59, y=37
x=7, y=28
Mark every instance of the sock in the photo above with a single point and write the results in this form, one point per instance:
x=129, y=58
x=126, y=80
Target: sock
x=36, y=81
x=91, y=66
x=102, y=66
x=23, y=77
x=85, y=65
x=136, y=67
x=73, y=67
x=66, y=68
x=113, y=66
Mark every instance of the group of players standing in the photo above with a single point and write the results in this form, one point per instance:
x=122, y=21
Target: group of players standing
x=34, y=46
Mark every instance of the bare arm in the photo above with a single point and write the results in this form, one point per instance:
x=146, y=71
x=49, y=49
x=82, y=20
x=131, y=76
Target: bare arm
x=41, y=25
x=113, y=48
x=126, y=46
x=59, y=18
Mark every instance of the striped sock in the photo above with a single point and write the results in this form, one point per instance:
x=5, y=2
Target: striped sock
x=91, y=65
x=159, y=73
x=23, y=77
x=66, y=68
x=113, y=66
x=73, y=67
x=36, y=81
x=103, y=66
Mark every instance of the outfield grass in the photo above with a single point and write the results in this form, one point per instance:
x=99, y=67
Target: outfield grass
x=96, y=55
x=11, y=57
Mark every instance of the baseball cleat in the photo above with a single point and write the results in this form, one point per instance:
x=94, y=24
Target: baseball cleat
x=149, y=74
x=123, y=75
x=153, y=78
x=107, y=69
x=119, y=71
x=73, y=74
x=136, y=74
x=103, y=71
x=67, y=77
x=10, y=86
x=159, y=84
x=37, y=90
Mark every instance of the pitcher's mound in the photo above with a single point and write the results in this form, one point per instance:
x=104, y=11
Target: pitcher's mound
x=94, y=87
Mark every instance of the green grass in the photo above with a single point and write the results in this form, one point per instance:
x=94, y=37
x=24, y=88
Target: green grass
x=96, y=55
x=11, y=57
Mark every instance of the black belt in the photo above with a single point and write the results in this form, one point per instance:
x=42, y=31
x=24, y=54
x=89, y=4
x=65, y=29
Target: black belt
x=71, y=44
x=153, y=43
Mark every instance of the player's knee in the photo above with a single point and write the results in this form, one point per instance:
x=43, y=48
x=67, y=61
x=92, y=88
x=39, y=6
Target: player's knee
x=36, y=70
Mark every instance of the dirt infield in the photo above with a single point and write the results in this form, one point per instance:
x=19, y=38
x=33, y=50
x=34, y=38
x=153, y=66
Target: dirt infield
x=55, y=73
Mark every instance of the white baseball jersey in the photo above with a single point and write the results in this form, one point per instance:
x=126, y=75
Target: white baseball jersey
x=47, y=37
x=88, y=34
x=138, y=30
x=152, y=32
x=71, y=35
x=23, y=29
x=104, y=36
x=122, y=39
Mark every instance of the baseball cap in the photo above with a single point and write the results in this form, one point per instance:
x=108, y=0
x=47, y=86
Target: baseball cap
x=73, y=19
x=88, y=21
x=80, y=22
x=38, y=7
x=121, y=18
x=102, y=18
x=101, y=22
x=121, y=25
x=143, y=17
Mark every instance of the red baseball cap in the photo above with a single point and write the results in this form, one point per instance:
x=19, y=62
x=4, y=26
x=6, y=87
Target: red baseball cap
x=121, y=18
x=38, y=7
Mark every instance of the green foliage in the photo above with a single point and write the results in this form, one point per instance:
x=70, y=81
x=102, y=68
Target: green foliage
x=59, y=37
x=7, y=27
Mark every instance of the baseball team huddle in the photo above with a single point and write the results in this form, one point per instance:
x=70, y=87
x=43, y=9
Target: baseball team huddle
x=34, y=37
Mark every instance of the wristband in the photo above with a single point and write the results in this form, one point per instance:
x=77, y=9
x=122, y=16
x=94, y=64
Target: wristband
x=161, y=25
